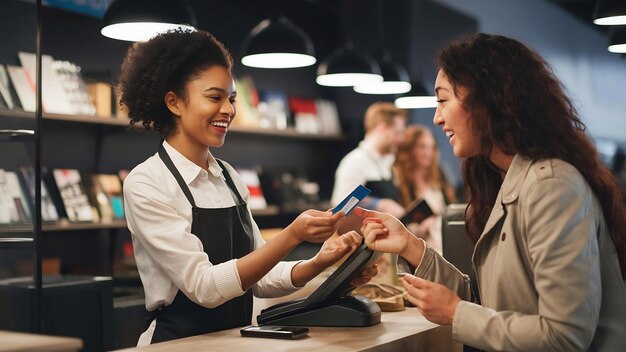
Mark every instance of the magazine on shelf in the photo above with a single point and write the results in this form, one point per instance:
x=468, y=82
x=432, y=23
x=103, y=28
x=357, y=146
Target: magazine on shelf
x=73, y=194
x=273, y=109
x=54, y=97
x=24, y=86
x=9, y=100
x=111, y=186
x=305, y=115
x=48, y=209
x=13, y=202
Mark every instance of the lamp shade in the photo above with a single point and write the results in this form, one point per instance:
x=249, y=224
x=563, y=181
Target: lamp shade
x=417, y=98
x=347, y=67
x=278, y=44
x=610, y=12
x=140, y=20
x=395, y=80
x=617, y=40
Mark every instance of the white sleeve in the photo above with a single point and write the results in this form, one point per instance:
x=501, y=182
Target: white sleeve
x=167, y=239
x=349, y=174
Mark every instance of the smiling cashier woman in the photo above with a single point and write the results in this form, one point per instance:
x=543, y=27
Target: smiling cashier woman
x=197, y=249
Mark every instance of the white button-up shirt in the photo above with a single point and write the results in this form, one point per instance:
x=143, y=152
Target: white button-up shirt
x=169, y=257
x=359, y=166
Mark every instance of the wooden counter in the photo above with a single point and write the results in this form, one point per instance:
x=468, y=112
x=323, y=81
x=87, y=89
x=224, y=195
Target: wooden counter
x=398, y=331
x=17, y=341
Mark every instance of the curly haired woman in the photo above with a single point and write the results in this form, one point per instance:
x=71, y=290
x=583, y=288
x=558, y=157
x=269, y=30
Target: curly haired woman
x=545, y=213
x=197, y=248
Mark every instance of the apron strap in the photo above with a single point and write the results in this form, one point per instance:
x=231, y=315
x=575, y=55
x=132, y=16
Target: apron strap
x=229, y=181
x=170, y=165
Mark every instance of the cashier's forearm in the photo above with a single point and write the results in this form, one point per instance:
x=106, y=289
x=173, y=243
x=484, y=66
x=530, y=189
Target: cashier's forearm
x=255, y=265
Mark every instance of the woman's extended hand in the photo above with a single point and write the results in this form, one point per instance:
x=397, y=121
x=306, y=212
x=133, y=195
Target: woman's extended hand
x=335, y=248
x=436, y=302
x=385, y=233
x=315, y=226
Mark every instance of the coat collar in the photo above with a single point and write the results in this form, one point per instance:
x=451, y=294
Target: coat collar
x=509, y=190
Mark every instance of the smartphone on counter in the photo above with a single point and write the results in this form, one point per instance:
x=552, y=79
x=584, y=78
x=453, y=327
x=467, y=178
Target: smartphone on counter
x=274, y=332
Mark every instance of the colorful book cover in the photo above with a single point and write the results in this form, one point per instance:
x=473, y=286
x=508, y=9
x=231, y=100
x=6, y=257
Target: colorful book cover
x=73, y=194
x=112, y=188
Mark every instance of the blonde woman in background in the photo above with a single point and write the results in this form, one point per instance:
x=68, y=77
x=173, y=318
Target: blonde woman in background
x=418, y=176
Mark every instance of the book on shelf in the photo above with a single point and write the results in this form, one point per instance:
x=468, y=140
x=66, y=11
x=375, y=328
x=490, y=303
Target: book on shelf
x=74, y=86
x=112, y=188
x=273, y=109
x=8, y=99
x=305, y=115
x=24, y=86
x=13, y=204
x=73, y=195
x=63, y=89
x=53, y=97
x=250, y=178
x=102, y=96
x=97, y=197
x=49, y=211
x=246, y=103
x=329, y=117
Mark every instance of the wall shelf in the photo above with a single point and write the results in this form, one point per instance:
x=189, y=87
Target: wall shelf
x=16, y=243
x=271, y=210
x=123, y=122
x=12, y=135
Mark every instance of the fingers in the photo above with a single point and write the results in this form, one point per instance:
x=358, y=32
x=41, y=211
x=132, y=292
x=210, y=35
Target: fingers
x=416, y=281
x=364, y=213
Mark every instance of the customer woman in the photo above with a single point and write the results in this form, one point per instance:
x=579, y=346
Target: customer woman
x=418, y=176
x=197, y=249
x=545, y=213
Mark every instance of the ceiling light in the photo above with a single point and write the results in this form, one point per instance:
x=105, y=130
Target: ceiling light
x=346, y=67
x=395, y=80
x=610, y=12
x=417, y=98
x=278, y=44
x=617, y=40
x=140, y=20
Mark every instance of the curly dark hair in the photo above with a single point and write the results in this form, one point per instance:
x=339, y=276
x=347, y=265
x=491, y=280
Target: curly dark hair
x=517, y=103
x=165, y=63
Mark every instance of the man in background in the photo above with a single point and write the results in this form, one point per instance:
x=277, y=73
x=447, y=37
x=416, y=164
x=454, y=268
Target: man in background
x=370, y=163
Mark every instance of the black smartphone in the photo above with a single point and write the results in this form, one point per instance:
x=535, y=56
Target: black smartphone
x=274, y=332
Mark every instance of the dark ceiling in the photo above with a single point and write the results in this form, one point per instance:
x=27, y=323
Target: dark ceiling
x=582, y=9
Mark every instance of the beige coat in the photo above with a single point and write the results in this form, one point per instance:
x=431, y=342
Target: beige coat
x=547, y=270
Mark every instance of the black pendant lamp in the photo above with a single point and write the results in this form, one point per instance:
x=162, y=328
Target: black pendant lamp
x=610, y=12
x=617, y=40
x=346, y=67
x=417, y=98
x=140, y=20
x=395, y=79
x=278, y=43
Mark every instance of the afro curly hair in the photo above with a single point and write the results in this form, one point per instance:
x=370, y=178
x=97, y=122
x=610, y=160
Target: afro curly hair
x=165, y=63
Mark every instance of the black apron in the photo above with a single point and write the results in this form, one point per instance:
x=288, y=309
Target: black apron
x=225, y=233
x=383, y=189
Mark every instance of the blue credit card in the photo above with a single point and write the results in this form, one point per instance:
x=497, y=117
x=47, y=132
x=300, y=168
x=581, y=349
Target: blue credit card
x=352, y=200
